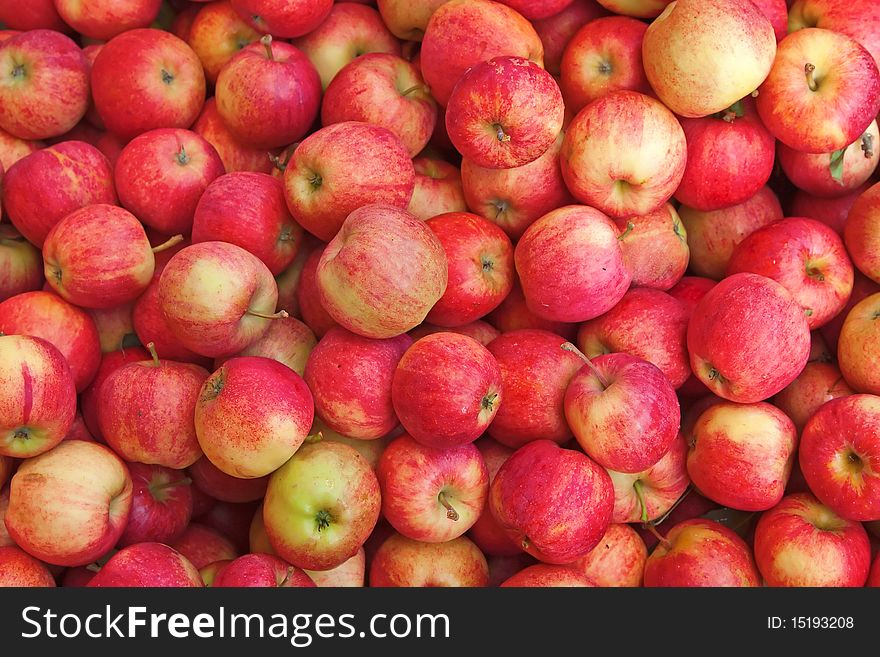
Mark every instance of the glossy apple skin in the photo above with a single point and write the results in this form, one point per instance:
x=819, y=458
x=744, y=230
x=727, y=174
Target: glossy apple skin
x=261, y=570
x=807, y=258
x=701, y=553
x=479, y=330
x=147, y=565
x=856, y=19
x=646, y=323
x=655, y=247
x=217, y=33
x=535, y=373
x=268, y=99
x=350, y=378
x=252, y=415
x=342, y=167
x=489, y=536
x=570, y=265
x=161, y=505
x=544, y=575
x=504, y=113
x=735, y=37
x=403, y=562
x=801, y=542
x=236, y=155
x=412, y=478
x=150, y=325
x=741, y=455
x=21, y=267
x=61, y=518
x=104, y=19
x=437, y=189
x=515, y=198
x=557, y=31
x=857, y=350
x=617, y=561
x=462, y=34
x=748, y=338
x=540, y=496
x=287, y=340
x=146, y=56
x=19, y=569
x=861, y=233
x=98, y=257
x=839, y=446
x=624, y=154
x=480, y=268
x=659, y=487
x=210, y=480
x=844, y=104
x=42, y=188
x=38, y=65
x=730, y=157
x=406, y=275
x=446, y=390
x=628, y=424
x=384, y=90
x=203, y=545
x=89, y=397
x=712, y=236
x=283, y=18
x=37, y=396
x=604, y=55
x=819, y=383
x=70, y=329
x=326, y=527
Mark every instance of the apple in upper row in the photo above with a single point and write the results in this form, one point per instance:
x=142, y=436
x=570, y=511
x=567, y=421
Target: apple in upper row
x=284, y=18
x=217, y=33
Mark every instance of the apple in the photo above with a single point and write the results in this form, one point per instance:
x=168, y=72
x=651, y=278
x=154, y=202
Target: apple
x=252, y=415
x=556, y=503
x=114, y=326
x=557, y=31
x=429, y=494
x=161, y=175
x=446, y=390
x=45, y=90
x=822, y=92
x=341, y=168
x=748, y=338
x=646, y=323
x=9, y=465
x=504, y=113
x=147, y=565
x=287, y=340
x=268, y=94
x=701, y=56
x=855, y=18
x=712, y=236
x=70, y=329
x=371, y=450
x=217, y=298
x=624, y=154
x=12, y=149
x=544, y=575
x=216, y=34
x=37, y=396
x=321, y=506
x=308, y=297
x=407, y=19
x=284, y=18
x=248, y=209
x=648, y=495
x=89, y=397
x=604, y=55
x=61, y=517
x=406, y=276
x=145, y=411
x=19, y=569
x=830, y=211
x=617, y=561
x=479, y=330
x=833, y=174
x=162, y=84
x=42, y=188
x=489, y=536
x=874, y=576
x=535, y=373
x=801, y=542
x=36, y=14
x=288, y=280
x=438, y=188
x=21, y=267
x=730, y=158
x=570, y=264
x=637, y=8
x=819, y=383
x=212, y=481
x=513, y=314
x=856, y=347
x=655, y=247
x=403, y=562
x=349, y=31
x=463, y=33
x=383, y=90
x=701, y=553
x=861, y=233
x=203, y=545
x=839, y=445
x=231, y=520
x=261, y=570
x=104, y=19
x=161, y=505
x=349, y=574
x=236, y=155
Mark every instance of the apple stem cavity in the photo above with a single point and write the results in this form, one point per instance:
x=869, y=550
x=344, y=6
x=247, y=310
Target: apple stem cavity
x=630, y=226
x=568, y=346
x=267, y=44
x=500, y=134
x=451, y=513
x=809, y=71
x=151, y=347
x=867, y=145
x=167, y=244
x=281, y=314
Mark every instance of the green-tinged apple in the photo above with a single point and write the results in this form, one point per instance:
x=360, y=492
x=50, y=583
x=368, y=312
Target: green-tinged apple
x=147, y=565
x=855, y=18
x=349, y=574
x=12, y=149
x=371, y=450
x=114, y=326
x=617, y=561
x=636, y=8
x=403, y=562
x=216, y=35
x=407, y=19
x=857, y=350
x=438, y=188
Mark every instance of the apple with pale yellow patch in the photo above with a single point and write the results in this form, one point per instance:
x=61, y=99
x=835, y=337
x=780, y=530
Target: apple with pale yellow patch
x=857, y=351
x=820, y=382
x=403, y=562
x=861, y=233
x=617, y=561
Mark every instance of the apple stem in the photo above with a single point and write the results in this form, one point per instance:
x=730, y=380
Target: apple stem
x=451, y=513
x=733, y=112
x=499, y=132
x=171, y=241
x=314, y=438
x=755, y=93
x=629, y=228
x=267, y=44
x=809, y=70
x=568, y=346
x=868, y=145
x=93, y=568
x=280, y=164
x=660, y=537
x=281, y=314
x=151, y=347
x=413, y=88
x=640, y=494
x=286, y=577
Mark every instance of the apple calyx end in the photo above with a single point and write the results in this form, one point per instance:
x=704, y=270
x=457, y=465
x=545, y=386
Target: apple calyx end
x=323, y=520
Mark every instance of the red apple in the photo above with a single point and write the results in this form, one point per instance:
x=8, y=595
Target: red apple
x=12, y=149
x=104, y=19
x=544, y=575
x=161, y=505
x=479, y=330
x=114, y=325
x=212, y=481
x=857, y=347
x=855, y=18
x=617, y=561
x=438, y=188
x=147, y=565
x=403, y=562
x=203, y=545
x=110, y=362
x=231, y=520
x=489, y=536
x=261, y=570
x=556, y=31
x=308, y=297
x=287, y=340
x=407, y=19
x=801, y=542
x=861, y=233
x=820, y=382
x=236, y=155
x=513, y=314
x=36, y=14
x=19, y=569
x=216, y=34
x=655, y=247
x=284, y=18
x=21, y=267
x=830, y=211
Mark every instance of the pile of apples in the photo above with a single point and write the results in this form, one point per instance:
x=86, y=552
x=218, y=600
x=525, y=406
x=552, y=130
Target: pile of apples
x=439, y=293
